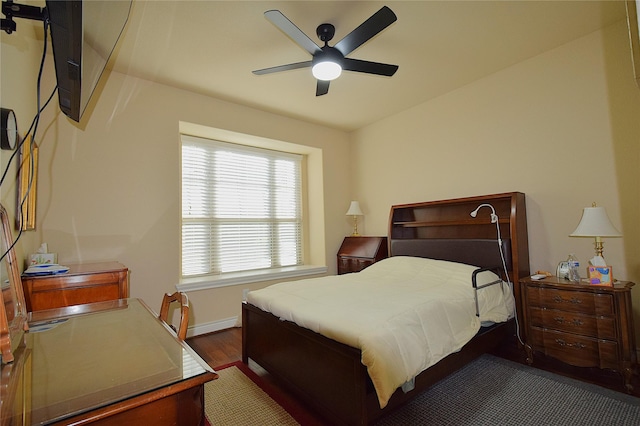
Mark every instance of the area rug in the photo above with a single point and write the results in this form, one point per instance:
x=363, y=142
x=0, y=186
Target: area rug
x=237, y=398
x=489, y=391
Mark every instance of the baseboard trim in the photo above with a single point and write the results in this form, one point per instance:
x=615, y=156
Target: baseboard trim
x=211, y=327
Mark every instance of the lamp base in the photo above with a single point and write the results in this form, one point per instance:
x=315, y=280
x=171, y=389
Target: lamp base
x=355, y=227
x=599, y=246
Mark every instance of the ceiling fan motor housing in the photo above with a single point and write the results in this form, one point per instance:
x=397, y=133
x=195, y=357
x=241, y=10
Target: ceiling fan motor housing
x=325, y=32
x=328, y=54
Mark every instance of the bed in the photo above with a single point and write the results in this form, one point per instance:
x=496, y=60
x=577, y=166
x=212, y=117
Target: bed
x=330, y=376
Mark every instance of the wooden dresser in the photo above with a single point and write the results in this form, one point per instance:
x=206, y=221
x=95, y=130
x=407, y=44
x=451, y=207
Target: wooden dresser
x=580, y=324
x=84, y=283
x=356, y=253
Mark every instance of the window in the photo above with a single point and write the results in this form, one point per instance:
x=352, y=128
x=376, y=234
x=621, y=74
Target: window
x=241, y=208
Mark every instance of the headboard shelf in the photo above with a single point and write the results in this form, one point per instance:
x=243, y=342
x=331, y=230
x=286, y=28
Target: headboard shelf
x=451, y=218
x=472, y=222
x=444, y=229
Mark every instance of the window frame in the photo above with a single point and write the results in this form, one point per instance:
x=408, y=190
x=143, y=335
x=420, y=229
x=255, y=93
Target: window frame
x=314, y=255
x=242, y=200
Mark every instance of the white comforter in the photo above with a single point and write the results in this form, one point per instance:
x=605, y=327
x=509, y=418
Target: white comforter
x=404, y=313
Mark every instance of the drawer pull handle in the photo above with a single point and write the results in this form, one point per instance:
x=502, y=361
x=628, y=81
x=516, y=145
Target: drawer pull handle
x=573, y=300
x=576, y=321
x=576, y=345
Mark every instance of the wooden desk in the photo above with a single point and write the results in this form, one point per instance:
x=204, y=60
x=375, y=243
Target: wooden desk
x=112, y=362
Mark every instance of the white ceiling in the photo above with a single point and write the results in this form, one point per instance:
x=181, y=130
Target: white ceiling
x=211, y=47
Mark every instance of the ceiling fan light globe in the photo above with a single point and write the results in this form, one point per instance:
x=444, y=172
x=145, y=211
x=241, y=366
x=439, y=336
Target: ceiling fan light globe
x=326, y=70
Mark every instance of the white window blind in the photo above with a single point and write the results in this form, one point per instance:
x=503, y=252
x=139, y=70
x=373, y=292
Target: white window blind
x=241, y=208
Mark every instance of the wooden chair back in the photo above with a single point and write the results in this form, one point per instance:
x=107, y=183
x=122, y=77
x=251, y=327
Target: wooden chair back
x=182, y=299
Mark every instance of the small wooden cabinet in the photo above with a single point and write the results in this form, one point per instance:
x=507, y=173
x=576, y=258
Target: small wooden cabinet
x=84, y=283
x=356, y=253
x=581, y=324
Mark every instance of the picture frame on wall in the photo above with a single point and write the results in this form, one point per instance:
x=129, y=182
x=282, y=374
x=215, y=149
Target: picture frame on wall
x=27, y=186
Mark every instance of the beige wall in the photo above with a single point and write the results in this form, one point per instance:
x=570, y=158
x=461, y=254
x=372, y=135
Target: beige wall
x=20, y=58
x=562, y=127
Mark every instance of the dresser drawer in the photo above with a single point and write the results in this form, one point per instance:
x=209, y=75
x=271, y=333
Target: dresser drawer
x=84, y=283
x=356, y=253
x=77, y=282
x=587, y=325
x=353, y=264
x=74, y=296
x=588, y=303
x=576, y=350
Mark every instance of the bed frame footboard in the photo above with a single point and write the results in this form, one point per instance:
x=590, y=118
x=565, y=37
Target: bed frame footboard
x=325, y=374
x=329, y=376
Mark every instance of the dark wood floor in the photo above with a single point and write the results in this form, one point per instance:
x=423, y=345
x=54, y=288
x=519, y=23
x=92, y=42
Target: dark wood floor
x=224, y=347
x=219, y=348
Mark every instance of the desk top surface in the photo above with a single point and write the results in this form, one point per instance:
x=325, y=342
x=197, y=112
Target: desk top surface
x=84, y=357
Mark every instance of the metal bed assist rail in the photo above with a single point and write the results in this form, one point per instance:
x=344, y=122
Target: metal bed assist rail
x=474, y=282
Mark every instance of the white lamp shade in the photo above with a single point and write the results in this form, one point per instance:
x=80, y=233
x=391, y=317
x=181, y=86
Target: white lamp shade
x=595, y=223
x=327, y=70
x=354, y=209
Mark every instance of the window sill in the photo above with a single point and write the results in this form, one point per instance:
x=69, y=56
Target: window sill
x=203, y=283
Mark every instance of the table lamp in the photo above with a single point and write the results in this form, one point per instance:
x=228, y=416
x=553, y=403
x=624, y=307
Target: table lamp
x=354, y=210
x=595, y=224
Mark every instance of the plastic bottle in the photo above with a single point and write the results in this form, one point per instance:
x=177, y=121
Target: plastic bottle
x=574, y=268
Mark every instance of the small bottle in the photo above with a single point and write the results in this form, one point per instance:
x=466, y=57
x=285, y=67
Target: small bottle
x=574, y=268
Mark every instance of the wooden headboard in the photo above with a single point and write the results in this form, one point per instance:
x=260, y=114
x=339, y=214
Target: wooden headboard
x=477, y=252
x=445, y=230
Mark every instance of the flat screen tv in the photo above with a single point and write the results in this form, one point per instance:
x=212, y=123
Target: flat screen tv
x=83, y=36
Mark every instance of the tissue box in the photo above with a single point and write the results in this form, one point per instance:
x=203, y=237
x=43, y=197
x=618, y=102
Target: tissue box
x=600, y=275
x=42, y=258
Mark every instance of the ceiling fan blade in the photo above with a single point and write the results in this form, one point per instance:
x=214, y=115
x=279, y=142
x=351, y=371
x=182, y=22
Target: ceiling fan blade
x=369, y=67
x=322, y=88
x=368, y=29
x=279, y=68
x=286, y=26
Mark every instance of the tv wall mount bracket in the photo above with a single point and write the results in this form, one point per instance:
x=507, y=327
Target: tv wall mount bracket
x=15, y=10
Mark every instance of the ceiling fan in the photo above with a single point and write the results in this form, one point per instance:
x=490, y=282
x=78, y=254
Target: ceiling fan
x=329, y=61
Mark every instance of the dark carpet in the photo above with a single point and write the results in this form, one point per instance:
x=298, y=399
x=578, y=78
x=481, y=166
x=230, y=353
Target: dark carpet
x=494, y=391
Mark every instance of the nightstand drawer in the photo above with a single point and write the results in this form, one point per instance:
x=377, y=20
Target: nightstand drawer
x=576, y=350
x=593, y=326
x=571, y=301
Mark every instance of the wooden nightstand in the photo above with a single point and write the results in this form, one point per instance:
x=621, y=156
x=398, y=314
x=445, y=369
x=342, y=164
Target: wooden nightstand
x=356, y=253
x=580, y=324
x=84, y=283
